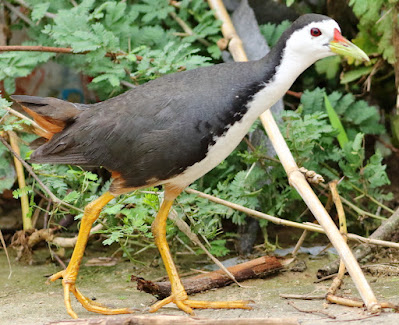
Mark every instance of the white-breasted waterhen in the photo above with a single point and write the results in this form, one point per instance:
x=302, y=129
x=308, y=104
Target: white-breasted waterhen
x=171, y=131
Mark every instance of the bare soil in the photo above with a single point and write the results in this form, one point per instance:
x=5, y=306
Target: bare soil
x=25, y=298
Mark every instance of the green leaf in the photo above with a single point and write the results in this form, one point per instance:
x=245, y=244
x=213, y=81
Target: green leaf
x=355, y=74
x=272, y=32
x=72, y=196
x=329, y=66
x=289, y=2
x=358, y=142
x=312, y=101
x=21, y=191
x=336, y=122
x=39, y=10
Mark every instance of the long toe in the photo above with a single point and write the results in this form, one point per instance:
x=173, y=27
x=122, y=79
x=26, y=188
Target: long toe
x=188, y=305
x=95, y=307
x=68, y=283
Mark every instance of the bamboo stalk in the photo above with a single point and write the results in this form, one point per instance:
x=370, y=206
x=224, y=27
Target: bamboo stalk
x=295, y=177
x=26, y=221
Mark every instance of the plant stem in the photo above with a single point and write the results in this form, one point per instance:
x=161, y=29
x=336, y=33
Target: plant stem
x=26, y=221
x=63, y=50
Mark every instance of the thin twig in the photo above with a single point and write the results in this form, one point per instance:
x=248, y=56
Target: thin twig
x=5, y=250
x=59, y=260
x=299, y=243
x=294, y=93
x=36, y=214
x=253, y=149
x=4, y=116
x=30, y=170
x=63, y=50
x=322, y=312
x=302, y=297
x=127, y=84
x=184, y=227
x=187, y=28
x=18, y=13
x=22, y=116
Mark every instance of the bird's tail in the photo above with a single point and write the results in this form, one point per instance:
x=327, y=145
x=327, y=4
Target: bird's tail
x=51, y=114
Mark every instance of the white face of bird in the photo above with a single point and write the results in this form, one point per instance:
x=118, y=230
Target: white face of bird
x=321, y=39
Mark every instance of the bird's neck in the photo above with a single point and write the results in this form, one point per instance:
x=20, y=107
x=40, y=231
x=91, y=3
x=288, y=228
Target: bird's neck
x=291, y=63
x=281, y=67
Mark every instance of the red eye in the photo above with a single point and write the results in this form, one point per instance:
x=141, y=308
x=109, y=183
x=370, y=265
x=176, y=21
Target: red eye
x=315, y=32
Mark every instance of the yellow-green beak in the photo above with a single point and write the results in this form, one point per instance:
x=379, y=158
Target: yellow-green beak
x=342, y=46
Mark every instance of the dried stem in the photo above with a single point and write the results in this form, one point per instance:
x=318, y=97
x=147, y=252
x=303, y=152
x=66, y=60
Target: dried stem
x=278, y=221
x=184, y=227
x=26, y=221
x=299, y=243
x=343, y=229
x=3, y=243
x=71, y=242
x=22, y=116
x=63, y=50
x=18, y=13
x=187, y=28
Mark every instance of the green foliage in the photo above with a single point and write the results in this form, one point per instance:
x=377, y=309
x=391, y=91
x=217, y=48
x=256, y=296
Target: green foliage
x=272, y=32
x=355, y=115
x=19, y=64
x=136, y=41
x=116, y=34
x=375, y=26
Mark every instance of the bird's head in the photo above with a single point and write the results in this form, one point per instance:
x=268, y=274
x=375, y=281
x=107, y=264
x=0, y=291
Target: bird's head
x=312, y=37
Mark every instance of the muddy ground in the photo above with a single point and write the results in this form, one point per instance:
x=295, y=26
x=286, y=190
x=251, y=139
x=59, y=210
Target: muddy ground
x=26, y=299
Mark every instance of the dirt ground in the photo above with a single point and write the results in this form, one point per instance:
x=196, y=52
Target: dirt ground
x=26, y=299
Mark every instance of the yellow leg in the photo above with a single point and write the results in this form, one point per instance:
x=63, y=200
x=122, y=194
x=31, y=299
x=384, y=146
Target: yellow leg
x=179, y=295
x=92, y=211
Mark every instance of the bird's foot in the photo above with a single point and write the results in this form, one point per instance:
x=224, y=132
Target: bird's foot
x=68, y=283
x=188, y=305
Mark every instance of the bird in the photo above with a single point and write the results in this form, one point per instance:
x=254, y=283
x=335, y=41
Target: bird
x=171, y=131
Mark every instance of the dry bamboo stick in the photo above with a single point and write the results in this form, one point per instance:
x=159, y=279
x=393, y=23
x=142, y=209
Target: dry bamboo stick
x=337, y=282
x=26, y=221
x=295, y=177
